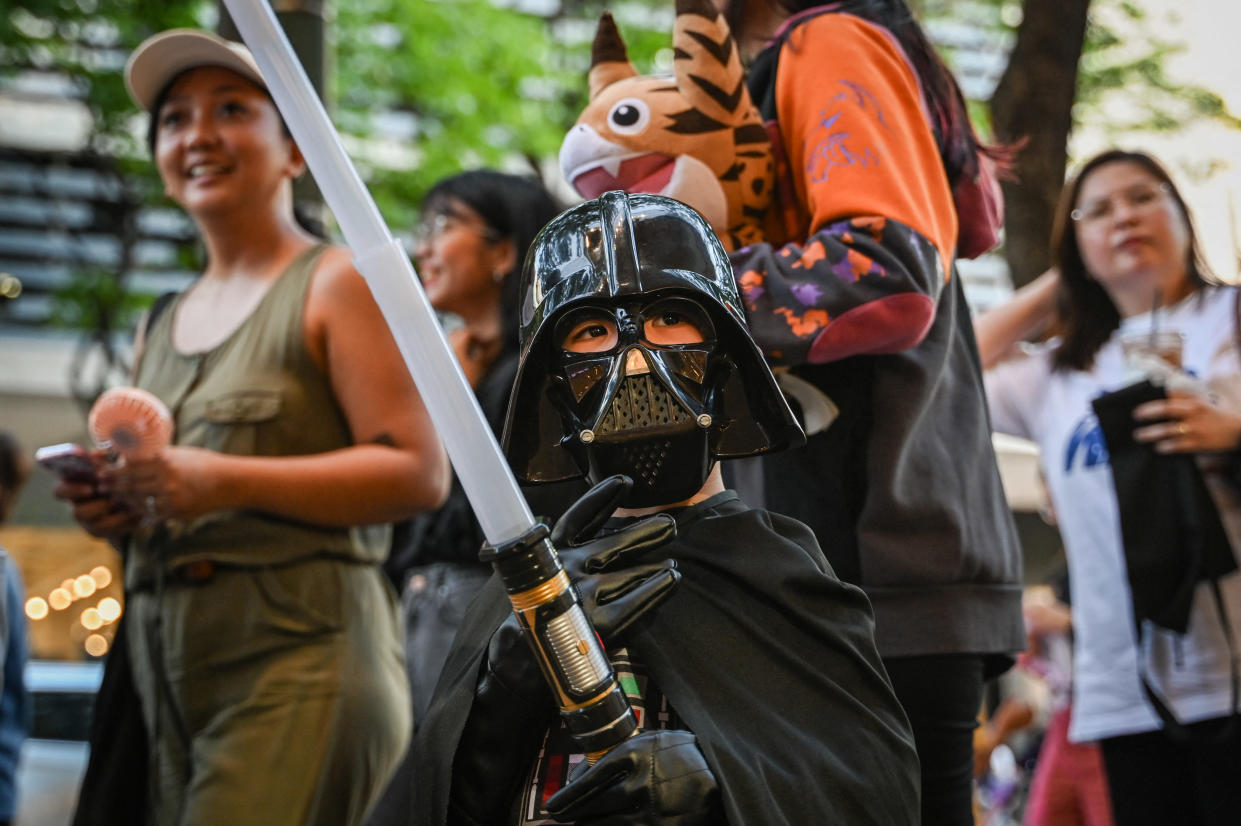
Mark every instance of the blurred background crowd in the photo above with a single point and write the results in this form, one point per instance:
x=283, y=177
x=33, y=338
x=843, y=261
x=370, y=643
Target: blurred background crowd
x=89, y=238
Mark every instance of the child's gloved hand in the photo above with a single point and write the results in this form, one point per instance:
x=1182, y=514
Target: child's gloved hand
x=614, y=592
x=655, y=777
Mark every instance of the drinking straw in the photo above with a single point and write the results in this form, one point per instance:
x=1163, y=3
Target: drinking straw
x=1155, y=305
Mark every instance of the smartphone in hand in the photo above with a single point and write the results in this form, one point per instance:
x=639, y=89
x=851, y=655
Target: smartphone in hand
x=69, y=461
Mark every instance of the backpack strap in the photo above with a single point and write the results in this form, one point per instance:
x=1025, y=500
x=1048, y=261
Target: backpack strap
x=1232, y=469
x=1236, y=319
x=1174, y=728
x=157, y=308
x=160, y=304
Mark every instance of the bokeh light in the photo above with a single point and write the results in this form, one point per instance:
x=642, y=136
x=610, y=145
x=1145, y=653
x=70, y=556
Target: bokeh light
x=91, y=620
x=109, y=609
x=36, y=608
x=96, y=645
x=101, y=575
x=84, y=586
x=59, y=599
x=10, y=286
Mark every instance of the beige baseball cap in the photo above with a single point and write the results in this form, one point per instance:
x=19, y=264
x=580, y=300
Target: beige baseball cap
x=163, y=56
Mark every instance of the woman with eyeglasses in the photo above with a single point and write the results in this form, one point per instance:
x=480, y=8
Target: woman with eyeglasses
x=1128, y=266
x=469, y=247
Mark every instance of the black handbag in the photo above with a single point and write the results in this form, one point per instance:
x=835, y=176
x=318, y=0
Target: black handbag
x=114, y=789
x=1171, y=530
x=1172, y=533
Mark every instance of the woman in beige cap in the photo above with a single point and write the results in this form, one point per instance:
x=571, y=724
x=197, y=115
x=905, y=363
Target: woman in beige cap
x=262, y=637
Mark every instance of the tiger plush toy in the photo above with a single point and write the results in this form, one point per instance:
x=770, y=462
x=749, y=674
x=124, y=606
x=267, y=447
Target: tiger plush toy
x=696, y=136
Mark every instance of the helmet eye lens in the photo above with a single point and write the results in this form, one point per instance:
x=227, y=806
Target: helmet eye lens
x=675, y=321
x=668, y=322
x=588, y=331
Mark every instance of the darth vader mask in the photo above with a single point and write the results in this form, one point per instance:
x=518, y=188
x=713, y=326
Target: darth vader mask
x=635, y=356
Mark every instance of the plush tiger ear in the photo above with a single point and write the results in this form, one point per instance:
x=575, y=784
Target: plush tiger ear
x=707, y=64
x=609, y=59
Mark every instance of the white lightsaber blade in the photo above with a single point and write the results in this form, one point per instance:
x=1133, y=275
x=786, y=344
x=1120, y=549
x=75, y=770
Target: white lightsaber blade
x=492, y=490
x=592, y=702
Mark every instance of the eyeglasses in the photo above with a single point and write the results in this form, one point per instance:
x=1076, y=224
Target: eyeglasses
x=441, y=222
x=1141, y=199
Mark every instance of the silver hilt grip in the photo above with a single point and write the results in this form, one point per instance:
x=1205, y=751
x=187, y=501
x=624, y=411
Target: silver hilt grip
x=582, y=668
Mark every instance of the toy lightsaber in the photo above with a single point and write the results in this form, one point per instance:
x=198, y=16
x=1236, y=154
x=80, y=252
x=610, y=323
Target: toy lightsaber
x=568, y=649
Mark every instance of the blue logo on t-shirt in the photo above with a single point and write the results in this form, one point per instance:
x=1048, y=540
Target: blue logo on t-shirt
x=1087, y=438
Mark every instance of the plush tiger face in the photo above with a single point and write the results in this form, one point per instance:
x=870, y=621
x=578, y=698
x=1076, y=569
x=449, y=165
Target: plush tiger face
x=696, y=136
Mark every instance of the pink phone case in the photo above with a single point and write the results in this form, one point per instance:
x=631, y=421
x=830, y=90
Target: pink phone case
x=69, y=461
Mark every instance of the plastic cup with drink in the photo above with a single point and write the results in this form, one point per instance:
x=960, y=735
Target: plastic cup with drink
x=1153, y=354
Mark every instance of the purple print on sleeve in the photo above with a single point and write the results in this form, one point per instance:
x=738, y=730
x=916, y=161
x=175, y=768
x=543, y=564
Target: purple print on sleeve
x=830, y=139
x=806, y=292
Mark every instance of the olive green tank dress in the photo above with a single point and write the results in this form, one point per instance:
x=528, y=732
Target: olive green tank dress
x=266, y=651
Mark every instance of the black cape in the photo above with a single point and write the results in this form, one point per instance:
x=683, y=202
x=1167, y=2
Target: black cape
x=768, y=658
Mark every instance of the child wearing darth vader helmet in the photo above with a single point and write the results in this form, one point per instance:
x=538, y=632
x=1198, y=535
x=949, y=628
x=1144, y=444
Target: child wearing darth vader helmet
x=751, y=667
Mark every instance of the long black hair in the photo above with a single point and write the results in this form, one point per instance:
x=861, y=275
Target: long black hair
x=1087, y=316
x=958, y=144
x=512, y=206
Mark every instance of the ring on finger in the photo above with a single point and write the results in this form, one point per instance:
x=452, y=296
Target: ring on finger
x=1182, y=429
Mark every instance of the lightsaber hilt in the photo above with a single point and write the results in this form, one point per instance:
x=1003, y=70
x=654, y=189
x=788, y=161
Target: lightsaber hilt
x=592, y=703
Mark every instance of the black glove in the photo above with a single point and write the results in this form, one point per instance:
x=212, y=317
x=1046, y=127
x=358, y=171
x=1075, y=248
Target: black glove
x=614, y=595
x=657, y=777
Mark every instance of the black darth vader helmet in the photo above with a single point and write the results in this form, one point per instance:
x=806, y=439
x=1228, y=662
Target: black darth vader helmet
x=661, y=413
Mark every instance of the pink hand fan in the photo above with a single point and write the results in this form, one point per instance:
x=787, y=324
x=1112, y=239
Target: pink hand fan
x=131, y=421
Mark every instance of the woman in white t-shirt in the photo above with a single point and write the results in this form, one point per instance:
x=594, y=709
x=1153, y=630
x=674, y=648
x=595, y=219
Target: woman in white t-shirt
x=1125, y=249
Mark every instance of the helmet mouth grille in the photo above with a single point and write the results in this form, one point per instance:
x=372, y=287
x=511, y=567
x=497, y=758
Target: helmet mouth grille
x=647, y=459
x=642, y=403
